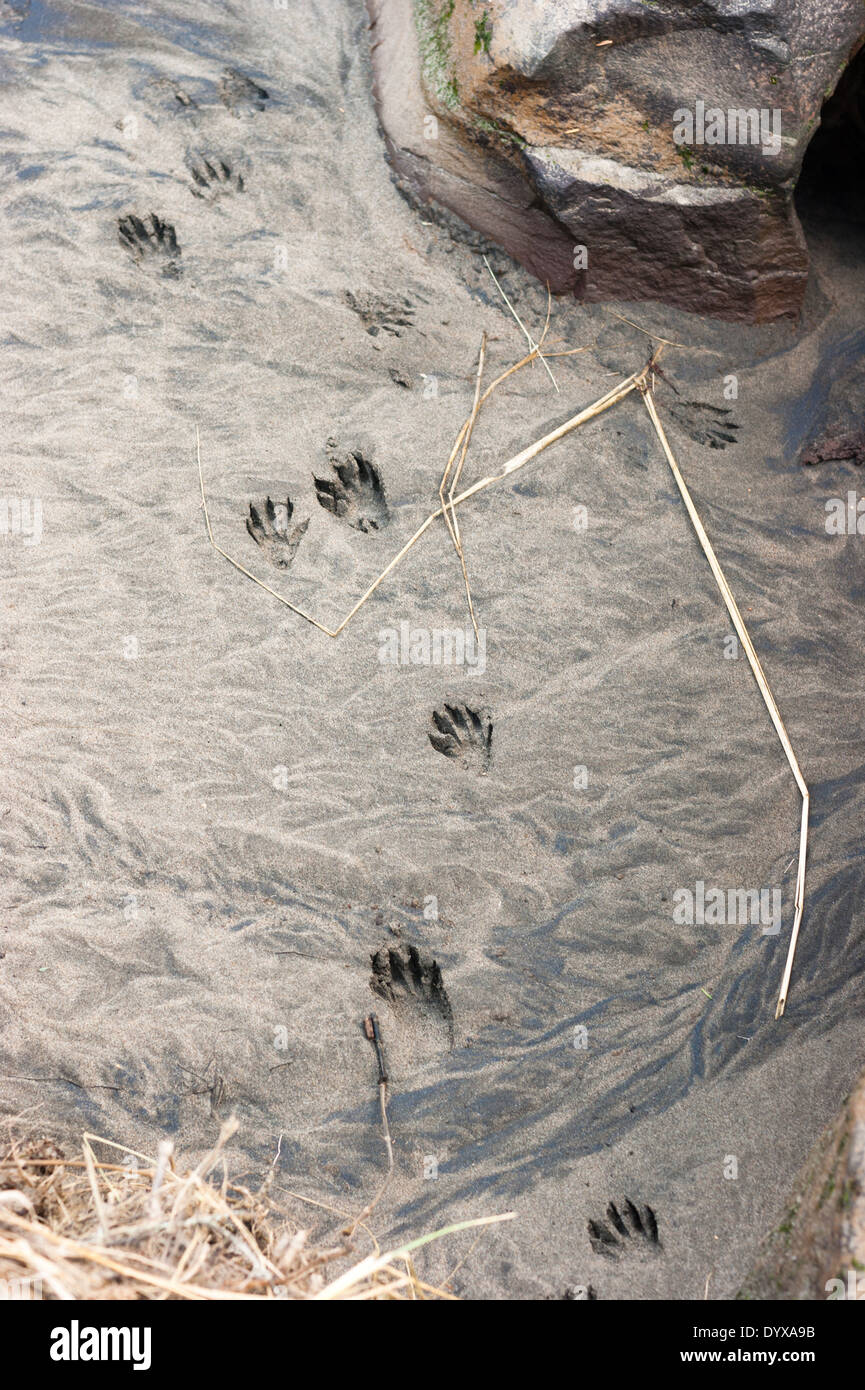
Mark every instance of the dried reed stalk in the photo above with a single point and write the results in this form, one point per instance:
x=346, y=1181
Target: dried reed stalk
x=90, y=1229
x=759, y=676
x=448, y=504
x=447, y=509
x=520, y=460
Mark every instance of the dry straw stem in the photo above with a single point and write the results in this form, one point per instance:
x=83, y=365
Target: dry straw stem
x=759, y=676
x=448, y=504
x=638, y=380
x=374, y=1264
x=464, y=436
x=518, y=461
x=106, y=1230
x=535, y=348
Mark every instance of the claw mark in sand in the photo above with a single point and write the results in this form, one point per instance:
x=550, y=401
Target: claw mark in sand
x=463, y=733
x=150, y=241
x=238, y=92
x=629, y=1229
x=271, y=531
x=213, y=176
x=378, y=314
x=712, y=425
x=355, y=493
x=412, y=982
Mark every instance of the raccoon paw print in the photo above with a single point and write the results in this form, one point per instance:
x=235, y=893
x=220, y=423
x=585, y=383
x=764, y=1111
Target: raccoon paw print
x=239, y=93
x=412, y=982
x=272, y=532
x=150, y=242
x=213, y=176
x=168, y=95
x=625, y=1230
x=463, y=733
x=378, y=314
x=712, y=425
x=355, y=492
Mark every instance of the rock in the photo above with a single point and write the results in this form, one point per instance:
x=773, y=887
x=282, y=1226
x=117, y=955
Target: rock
x=818, y=1249
x=665, y=140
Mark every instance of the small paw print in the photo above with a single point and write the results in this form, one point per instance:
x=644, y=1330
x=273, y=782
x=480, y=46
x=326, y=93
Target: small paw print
x=354, y=492
x=213, y=176
x=273, y=532
x=150, y=241
x=463, y=733
x=627, y=1228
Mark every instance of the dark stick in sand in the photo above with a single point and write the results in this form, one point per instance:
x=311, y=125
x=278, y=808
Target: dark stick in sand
x=373, y=1032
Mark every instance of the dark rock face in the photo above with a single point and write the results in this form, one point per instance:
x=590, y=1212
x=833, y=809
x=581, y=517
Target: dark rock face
x=619, y=148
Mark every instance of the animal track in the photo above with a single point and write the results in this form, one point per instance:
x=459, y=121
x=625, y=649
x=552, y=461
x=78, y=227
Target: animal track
x=713, y=425
x=408, y=978
x=463, y=733
x=150, y=242
x=378, y=314
x=172, y=89
x=355, y=493
x=213, y=176
x=629, y=1229
x=272, y=532
x=238, y=92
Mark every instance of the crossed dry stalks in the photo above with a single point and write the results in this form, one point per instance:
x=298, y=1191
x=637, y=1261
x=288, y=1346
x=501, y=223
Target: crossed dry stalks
x=450, y=499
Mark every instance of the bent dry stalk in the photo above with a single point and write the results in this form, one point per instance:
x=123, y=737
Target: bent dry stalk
x=760, y=678
x=637, y=381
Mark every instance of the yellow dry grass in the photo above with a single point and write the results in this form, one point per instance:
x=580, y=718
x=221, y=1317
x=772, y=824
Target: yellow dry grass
x=129, y=1226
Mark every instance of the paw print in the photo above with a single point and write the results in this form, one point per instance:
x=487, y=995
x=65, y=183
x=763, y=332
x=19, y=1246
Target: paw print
x=272, y=531
x=238, y=92
x=378, y=314
x=712, y=425
x=213, y=176
x=150, y=241
x=411, y=981
x=463, y=733
x=625, y=1230
x=355, y=492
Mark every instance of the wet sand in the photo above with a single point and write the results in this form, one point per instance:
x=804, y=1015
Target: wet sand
x=213, y=815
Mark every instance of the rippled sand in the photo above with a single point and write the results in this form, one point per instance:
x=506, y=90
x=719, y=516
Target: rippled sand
x=212, y=815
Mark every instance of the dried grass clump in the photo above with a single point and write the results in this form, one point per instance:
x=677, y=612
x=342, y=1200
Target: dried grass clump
x=143, y=1228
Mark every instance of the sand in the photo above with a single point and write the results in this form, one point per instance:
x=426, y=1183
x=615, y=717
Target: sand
x=212, y=816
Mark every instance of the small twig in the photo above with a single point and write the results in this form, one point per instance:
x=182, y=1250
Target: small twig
x=535, y=347
x=449, y=510
x=163, y=1158
x=760, y=678
x=373, y=1032
x=610, y=398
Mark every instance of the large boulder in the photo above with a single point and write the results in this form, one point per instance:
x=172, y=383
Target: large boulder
x=619, y=148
